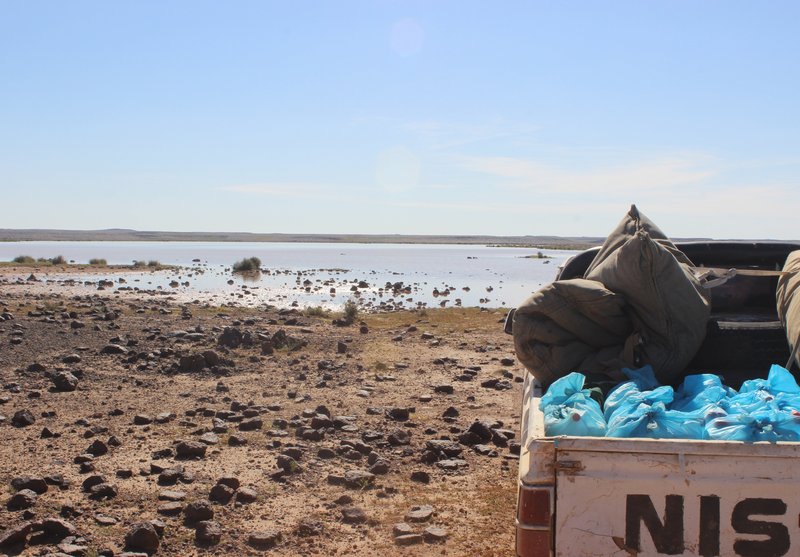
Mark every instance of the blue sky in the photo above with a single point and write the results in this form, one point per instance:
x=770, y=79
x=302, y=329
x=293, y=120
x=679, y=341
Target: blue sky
x=440, y=117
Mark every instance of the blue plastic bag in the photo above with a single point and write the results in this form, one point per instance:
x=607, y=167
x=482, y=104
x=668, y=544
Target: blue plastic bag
x=699, y=391
x=764, y=425
x=643, y=388
x=562, y=389
x=779, y=380
x=654, y=421
x=578, y=415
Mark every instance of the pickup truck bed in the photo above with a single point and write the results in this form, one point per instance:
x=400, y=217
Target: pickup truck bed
x=588, y=496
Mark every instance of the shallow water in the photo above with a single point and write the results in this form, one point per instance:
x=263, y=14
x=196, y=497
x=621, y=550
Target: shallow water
x=303, y=274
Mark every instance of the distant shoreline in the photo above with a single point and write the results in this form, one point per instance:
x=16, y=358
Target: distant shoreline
x=120, y=235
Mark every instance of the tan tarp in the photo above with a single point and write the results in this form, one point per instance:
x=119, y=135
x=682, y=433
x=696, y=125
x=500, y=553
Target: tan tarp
x=572, y=325
x=641, y=300
x=788, y=298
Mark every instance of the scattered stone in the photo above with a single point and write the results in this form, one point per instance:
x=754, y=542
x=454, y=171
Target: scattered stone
x=251, y=424
x=434, y=534
x=113, y=349
x=23, y=499
x=221, y=494
x=64, y=381
x=358, y=479
x=171, y=495
x=103, y=491
x=57, y=529
x=237, y=440
x=419, y=513
x=97, y=448
x=190, y=449
x=246, y=495
x=208, y=532
x=197, y=511
x=310, y=527
x=264, y=540
x=142, y=419
x=142, y=536
x=353, y=515
x=408, y=539
x=420, y=476
x=209, y=438
x=22, y=418
x=35, y=484
x=170, y=508
x=15, y=535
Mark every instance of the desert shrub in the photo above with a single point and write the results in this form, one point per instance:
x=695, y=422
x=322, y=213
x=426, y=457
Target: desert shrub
x=247, y=265
x=99, y=262
x=137, y=263
x=350, y=311
x=24, y=260
x=153, y=263
x=317, y=311
x=58, y=260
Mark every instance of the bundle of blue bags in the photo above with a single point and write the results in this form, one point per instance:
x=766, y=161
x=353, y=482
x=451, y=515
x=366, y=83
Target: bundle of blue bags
x=701, y=408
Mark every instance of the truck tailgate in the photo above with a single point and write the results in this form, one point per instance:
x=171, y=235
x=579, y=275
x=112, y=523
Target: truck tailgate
x=648, y=497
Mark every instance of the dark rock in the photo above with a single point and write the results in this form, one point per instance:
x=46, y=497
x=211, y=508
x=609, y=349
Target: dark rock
x=170, y=508
x=231, y=481
x=237, y=440
x=484, y=450
x=64, y=381
x=221, y=493
x=92, y=481
x=246, y=495
x=208, y=532
x=71, y=359
x=192, y=364
x=171, y=495
x=142, y=536
x=57, y=529
x=380, y=467
x=209, y=438
x=408, y=539
x=231, y=337
x=264, y=540
x=420, y=476
x=445, y=389
x=399, y=437
x=398, y=414
x=23, y=499
x=97, y=448
x=113, y=349
x=190, y=449
x=251, y=424
x=212, y=358
x=310, y=527
x=103, y=491
x=198, y=510
x=142, y=419
x=358, y=479
x=22, y=418
x=162, y=454
x=451, y=412
x=35, y=484
x=15, y=535
x=353, y=515
x=288, y=464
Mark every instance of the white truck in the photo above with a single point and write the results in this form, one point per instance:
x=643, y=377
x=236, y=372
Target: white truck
x=595, y=496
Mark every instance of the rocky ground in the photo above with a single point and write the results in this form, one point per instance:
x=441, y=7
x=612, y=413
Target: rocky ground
x=137, y=425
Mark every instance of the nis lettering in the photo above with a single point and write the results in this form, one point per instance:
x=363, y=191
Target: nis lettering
x=668, y=536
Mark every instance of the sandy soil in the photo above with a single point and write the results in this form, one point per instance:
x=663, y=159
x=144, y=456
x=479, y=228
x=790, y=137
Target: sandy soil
x=326, y=401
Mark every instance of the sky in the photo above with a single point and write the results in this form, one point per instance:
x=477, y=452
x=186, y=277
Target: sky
x=408, y=117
